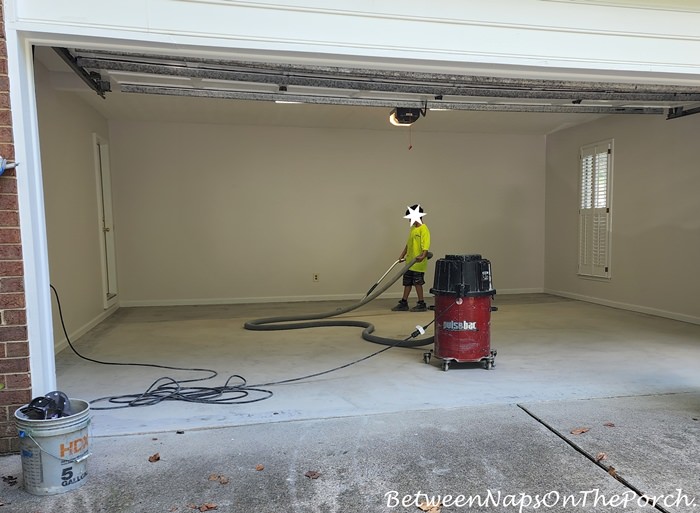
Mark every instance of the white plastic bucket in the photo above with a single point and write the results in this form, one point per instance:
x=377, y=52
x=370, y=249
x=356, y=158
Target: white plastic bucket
x=54, y=452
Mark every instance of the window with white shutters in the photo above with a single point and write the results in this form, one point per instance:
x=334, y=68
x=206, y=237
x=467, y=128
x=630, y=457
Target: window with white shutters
x=594, y=209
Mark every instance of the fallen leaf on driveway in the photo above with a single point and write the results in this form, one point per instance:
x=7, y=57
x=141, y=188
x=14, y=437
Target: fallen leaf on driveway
x=429, y=507
x=612, y=472
x=154, y=458
x=609, y=424
x=219, y=477
x=601, y=456
x=259, y=467
x=312, y=474
x=579, y=431
x=204, y=507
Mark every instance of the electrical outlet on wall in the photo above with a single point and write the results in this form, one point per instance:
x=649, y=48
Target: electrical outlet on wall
x=316, y=277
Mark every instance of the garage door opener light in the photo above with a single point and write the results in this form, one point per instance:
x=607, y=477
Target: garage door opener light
x=405, y=116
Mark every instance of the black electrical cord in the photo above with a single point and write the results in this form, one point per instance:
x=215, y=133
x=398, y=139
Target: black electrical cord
x=396, y=344
x=169, y=389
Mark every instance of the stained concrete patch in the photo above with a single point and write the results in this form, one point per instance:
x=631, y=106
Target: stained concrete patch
x=365, y=464
x=652, y=442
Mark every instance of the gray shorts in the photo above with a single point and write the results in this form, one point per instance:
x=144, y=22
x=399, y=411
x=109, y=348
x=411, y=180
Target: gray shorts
x=413, y=278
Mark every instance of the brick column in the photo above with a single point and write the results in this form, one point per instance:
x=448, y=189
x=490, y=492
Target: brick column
x=14, y=346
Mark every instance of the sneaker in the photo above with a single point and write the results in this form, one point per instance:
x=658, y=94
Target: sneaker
x=401, y=307
x=420, y=307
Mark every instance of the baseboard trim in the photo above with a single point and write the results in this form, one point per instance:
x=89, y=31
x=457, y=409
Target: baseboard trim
x=239, y=300
x=520, y=291
x=281, y=299
x=627, y=306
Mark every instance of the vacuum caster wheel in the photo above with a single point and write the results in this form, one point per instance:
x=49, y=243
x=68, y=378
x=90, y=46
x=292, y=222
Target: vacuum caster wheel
x=445, y=365
x=426, y=357
x=488, y=365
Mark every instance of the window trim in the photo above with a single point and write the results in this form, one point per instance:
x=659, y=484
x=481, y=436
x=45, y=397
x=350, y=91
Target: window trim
x=591, y=238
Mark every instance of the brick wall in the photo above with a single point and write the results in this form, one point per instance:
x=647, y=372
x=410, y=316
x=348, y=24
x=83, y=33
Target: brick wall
x=14, y=347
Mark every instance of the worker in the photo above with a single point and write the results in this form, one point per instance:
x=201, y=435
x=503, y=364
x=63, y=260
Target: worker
x=416, y=247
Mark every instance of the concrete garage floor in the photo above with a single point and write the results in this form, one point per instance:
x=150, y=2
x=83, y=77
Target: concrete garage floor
x=383, y=430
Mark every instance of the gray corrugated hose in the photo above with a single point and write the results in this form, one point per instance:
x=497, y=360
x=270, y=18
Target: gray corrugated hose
x=313, y=320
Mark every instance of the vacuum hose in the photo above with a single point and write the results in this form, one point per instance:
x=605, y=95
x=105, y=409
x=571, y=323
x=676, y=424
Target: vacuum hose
x=312, y=320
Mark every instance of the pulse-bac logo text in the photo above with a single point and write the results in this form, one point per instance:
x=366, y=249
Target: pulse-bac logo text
x=459, y=326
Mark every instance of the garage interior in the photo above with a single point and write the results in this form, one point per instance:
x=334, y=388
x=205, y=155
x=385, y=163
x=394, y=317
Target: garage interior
x=243, y=189
x=201, y=192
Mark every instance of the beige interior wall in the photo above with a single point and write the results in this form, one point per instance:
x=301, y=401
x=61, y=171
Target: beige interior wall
x=66, y=125
x=655, y=215
x=218, y=213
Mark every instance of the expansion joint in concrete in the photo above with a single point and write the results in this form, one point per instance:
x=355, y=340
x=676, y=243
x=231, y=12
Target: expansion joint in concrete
x=608, y=469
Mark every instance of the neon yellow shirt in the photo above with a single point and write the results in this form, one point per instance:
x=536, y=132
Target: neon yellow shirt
x=418, y=241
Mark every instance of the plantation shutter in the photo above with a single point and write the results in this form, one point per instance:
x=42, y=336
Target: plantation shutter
x=594, y=210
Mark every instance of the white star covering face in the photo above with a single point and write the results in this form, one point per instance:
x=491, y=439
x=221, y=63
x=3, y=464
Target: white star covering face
x=414, y=215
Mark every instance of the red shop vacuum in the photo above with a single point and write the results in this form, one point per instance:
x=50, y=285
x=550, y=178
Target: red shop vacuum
x=463, y=292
